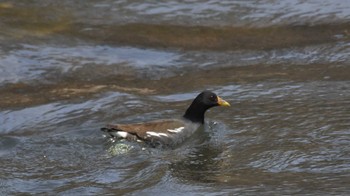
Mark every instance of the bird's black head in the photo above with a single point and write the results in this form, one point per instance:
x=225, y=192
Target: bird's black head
x=207, y=99
x=201, y=103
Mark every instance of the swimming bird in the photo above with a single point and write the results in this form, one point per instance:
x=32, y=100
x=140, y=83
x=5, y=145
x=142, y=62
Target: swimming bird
x=168, y=132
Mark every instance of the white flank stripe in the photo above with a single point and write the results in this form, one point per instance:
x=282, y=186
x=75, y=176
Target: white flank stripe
x=163, y=134
x=156, y=134
x=121, y=134
x=177, y=130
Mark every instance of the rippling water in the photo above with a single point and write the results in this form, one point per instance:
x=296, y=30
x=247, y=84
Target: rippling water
x=68, y=68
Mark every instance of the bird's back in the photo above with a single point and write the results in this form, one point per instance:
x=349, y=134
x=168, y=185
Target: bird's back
x=163, y=132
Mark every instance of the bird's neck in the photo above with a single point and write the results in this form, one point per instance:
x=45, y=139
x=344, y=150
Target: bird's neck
x=195, y=113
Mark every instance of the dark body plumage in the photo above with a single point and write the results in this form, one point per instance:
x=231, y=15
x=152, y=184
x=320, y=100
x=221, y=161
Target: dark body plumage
x=168, y=131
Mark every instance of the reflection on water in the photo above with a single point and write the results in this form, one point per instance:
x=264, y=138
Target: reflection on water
x=67, y=69
x=30, y=62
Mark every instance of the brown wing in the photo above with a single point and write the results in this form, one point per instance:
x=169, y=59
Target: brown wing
x=141, y=129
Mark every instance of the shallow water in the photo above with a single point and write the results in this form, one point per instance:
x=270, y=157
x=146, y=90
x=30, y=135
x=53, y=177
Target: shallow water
x=68, y=68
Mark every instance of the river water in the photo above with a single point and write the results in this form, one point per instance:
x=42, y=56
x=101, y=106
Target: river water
x=68, y=68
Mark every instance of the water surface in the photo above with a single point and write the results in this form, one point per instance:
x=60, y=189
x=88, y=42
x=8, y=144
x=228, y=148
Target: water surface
x=68, y=68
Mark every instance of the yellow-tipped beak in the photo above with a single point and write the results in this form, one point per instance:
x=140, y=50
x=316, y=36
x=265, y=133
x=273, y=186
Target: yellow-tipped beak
x=222, y=102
